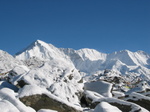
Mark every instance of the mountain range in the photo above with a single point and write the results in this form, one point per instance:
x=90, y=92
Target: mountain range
x=78, y=80
x=90, y=61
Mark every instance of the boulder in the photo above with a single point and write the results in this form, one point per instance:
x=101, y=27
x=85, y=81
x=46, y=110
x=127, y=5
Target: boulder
x=44, y=102
x=101, y=87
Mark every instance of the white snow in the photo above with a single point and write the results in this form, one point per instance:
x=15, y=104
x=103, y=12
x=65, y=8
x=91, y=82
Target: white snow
x=91, y=54
x=6, y=106
x=94, y=96
x=60, y=79
x=86, y=60
x=29, y=90
x=106, y=107
x=101, y=87
x=7, y=62
x=10, y=96
x=42, y=51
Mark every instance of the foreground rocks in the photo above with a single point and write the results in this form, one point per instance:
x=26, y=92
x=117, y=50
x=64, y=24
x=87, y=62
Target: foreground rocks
x=43, y=101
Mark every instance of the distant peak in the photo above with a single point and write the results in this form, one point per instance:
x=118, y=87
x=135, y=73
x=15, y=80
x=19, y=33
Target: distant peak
x=125, y=50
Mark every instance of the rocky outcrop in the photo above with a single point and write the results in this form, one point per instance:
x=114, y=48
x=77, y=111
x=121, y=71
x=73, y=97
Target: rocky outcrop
x=43, y=101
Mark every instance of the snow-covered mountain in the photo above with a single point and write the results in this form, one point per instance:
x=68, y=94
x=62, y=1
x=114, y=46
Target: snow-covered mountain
x=85, y=60
x=89, y=60
x=43, y=76
x=42, y=51
x=130, y=58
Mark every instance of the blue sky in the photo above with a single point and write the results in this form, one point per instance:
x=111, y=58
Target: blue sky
x=105, y=25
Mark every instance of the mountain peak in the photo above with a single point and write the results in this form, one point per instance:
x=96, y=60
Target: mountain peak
x=37, y=43
x=41, y=50
x=40, y=42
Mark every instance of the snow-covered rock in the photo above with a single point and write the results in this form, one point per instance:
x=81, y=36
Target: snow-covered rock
x=106, y=107
x=11, y=97
x=118, y=94
x=101, y=87
x=6, y=106
x=61, y=81
x=40, y=98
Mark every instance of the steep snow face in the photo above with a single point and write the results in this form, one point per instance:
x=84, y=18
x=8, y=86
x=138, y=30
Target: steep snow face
x=84, y=54
x=86, y=60
x=7, y=62
x=91, y=54
x=130, y=58
x=126, y=61
x=144, y=57
x=115, y=65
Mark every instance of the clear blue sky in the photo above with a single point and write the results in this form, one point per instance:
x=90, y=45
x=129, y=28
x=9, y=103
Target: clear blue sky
x=105, y=25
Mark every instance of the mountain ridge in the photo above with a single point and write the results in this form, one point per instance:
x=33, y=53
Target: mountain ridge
x=87, y=60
